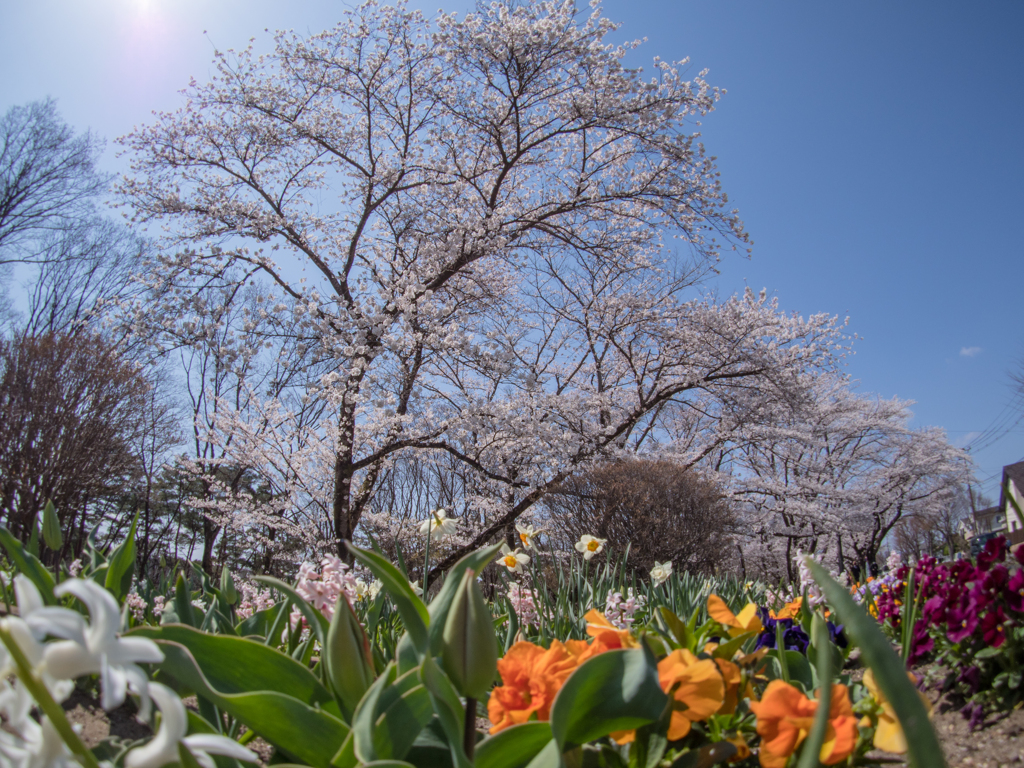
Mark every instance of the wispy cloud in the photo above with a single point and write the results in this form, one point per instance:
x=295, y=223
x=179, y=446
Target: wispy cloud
x=965, y=440
x=969, y=351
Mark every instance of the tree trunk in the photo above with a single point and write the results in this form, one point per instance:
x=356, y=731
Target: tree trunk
x=210, y=531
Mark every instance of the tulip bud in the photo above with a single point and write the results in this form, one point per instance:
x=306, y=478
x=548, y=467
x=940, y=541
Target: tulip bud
x=348, y=656
x=51, y=527
x=227, y=586
x=470, y=652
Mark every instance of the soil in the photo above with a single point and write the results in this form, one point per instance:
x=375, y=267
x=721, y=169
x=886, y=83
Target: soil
x=999, y=743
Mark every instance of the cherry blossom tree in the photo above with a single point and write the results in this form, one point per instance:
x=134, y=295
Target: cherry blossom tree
x=476, y=239
x=834, y=474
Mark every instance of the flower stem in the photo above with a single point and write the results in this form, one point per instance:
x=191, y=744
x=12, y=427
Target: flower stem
x=469, y=733
x=426, y=559
x=46, y=702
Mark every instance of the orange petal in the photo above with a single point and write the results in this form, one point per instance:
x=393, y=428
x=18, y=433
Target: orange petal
x=719, y=611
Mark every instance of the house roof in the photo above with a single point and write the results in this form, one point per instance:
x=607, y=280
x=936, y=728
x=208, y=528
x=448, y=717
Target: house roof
x=987, y=512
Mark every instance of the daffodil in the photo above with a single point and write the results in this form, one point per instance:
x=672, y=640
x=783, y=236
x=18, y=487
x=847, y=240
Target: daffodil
x=95, y=648
x=439, y=524
x=527, y=533
x=162, y=749
x=513, y=559
x=661, y=572
x=417, y=588
x=590, y=545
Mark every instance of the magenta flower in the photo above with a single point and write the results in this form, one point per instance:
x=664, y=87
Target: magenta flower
x=994, y=552
x=961, y=624
x=1015, y=591
x=991, y=627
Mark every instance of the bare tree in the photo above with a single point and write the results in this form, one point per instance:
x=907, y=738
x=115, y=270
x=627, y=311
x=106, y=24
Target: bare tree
x=663, y=511
x=48, y=178
x=71, y=411
x=87, y=269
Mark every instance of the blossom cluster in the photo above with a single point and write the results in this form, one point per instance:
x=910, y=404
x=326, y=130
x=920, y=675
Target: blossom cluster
x=620, y=609
x=521, y=599
x=322, y=588
x=252, y=599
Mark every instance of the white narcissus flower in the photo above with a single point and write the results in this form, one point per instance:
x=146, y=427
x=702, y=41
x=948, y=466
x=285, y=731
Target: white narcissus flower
x=163, y=748
x=91, y=649
x=416, y=588
x=513, y=559
x=439, y=524
x=590, y=545
x=661, y=572
x=527, y=533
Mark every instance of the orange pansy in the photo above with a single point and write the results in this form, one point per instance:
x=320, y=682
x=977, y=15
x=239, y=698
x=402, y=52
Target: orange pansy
x=746, y=621
x=789, y=610
x=732, y=678
x=699, y=692
x=531, y=677
x=784, y=718
x=610, y=636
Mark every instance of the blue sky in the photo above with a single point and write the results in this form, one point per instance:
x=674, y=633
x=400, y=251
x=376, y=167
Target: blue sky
x=874, y=150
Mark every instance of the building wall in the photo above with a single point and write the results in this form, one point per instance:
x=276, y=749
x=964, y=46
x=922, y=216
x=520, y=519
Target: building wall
x=1012, y=519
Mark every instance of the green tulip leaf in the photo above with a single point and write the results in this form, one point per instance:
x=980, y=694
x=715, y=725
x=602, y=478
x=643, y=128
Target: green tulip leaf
x=613, y=691
x=390, y=716
x=410, y=607
x=513, y=747
x=270, y=714
x=121, y=565
x=28, y=564
x=449, y=709
x=181, y=606
x=549, y=757
x=232, y=665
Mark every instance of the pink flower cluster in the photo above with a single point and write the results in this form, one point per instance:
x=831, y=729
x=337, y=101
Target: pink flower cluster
x=619, y=610
x=522, y=602
x=321, y=589
x=252, y=599
x=137, y=605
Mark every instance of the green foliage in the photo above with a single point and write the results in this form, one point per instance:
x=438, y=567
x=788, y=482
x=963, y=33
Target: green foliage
x=28, y=564
x=52, y=536
x=614, y=691
x=890, y=672
x=121, y=565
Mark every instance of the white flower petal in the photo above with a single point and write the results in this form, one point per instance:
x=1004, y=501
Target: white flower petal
x=219, y=745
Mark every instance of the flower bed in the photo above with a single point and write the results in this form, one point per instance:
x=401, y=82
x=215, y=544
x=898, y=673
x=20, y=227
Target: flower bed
x=379, y=677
